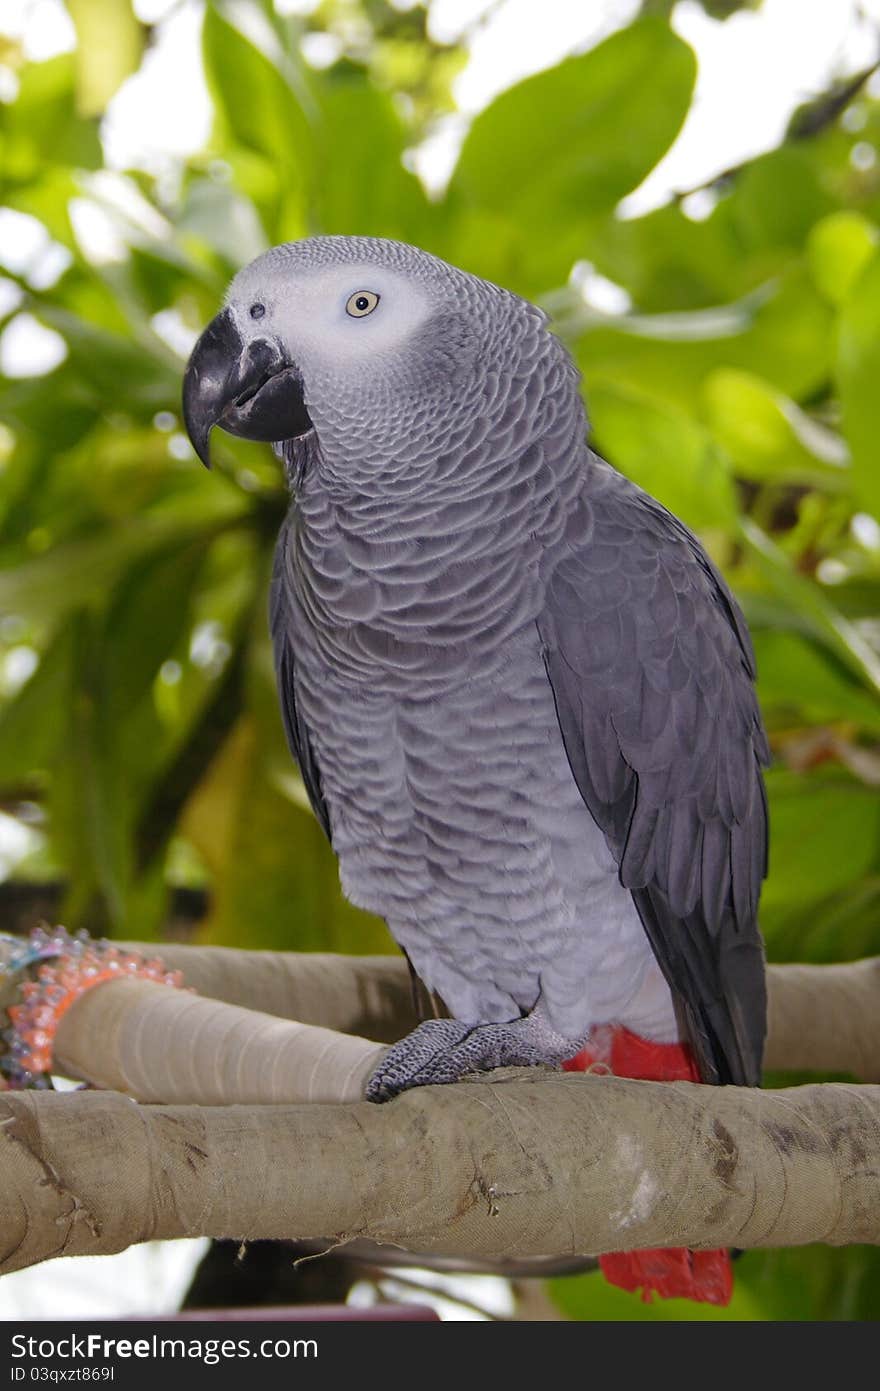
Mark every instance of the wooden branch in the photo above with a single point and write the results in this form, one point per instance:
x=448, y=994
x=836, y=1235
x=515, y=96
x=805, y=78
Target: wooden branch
x=522, y=1164
x=513, y=1166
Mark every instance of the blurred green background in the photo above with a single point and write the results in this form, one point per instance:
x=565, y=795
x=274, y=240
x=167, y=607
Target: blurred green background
x=731, y=367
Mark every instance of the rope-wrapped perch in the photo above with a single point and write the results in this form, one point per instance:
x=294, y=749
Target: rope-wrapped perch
x=158, y=1044
x=522, y=1164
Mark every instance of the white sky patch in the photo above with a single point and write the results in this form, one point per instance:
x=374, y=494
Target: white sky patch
x=151, y=11
x=321, y=50
x=9, y=84
x=29, y=349
x=866, y=530
x=50, y=267
x=522, y=37
x=208, y=647
x=27, y=249
x=832, y=571
x=754, y=70
x=163, y=112
x=168, y=325
x=19, y=664
x=16, y=843
x=122, y=197
x=489, y=1292
x=10, y=297
x=148, y=1279
x=44, y=27
x=97, y=238
x=598, y=291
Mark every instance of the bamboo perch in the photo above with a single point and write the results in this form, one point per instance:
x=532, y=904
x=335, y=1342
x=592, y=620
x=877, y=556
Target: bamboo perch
x=519, y=1164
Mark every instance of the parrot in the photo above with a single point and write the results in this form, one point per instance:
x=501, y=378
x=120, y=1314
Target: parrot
x=520, y=694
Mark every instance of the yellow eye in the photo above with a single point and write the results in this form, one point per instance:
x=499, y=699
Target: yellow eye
x=361, y=303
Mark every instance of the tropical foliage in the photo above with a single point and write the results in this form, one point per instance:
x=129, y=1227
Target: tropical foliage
x=736, y=379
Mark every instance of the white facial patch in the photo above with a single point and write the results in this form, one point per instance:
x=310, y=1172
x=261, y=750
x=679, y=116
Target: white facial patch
x=308, y=312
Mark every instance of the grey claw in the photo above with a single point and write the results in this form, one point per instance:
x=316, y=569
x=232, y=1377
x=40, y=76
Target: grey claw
x=443, y=1050
x=417, y=1060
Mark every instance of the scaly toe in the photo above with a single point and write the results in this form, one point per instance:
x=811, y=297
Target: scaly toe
x=421, y=1058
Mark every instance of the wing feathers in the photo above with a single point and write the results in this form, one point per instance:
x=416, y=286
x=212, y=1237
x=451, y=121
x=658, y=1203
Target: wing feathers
x=280, y=624
x=652, y=670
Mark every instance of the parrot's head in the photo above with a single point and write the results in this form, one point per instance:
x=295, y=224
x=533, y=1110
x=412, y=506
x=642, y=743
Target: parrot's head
x=353, y=337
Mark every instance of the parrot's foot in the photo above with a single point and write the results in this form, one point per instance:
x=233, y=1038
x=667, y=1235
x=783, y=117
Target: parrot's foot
x=443, y=1050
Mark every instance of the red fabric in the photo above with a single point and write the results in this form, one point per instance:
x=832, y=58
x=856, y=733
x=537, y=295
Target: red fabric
x=673, y=1273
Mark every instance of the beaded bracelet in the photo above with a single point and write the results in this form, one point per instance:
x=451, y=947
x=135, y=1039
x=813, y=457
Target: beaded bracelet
x=66, y=967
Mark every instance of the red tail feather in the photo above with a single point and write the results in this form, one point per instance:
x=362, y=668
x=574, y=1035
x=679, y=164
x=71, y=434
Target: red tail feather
x=674, y=1272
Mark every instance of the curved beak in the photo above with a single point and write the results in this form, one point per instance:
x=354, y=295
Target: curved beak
x=249, y=389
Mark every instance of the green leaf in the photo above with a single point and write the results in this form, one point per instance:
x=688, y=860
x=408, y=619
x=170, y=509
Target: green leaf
x=809, y=608
x=32, y=724
x=259, y=93
x=669, y=262
x=82, y=571
x=566, y=145
x=838, y=250
x=110, y=42
x=783, y=335
x=666, y=452
x=41, y=127
x=582, y=135
x=56, y=409
x=813, y=1283
x=824, y=842
x=226, y=221
x=858, y=374
x=150, y=610
x=89, y=796
x=768, y=437
x=590, y=1298
x=799, y=680
x=45, y=194
x=762, y=217
x=778, y=198
x=117, y=368
x=363, y=186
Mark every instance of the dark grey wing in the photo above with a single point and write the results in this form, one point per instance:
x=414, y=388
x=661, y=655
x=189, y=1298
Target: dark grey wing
x=281, y=616
x=653, y=676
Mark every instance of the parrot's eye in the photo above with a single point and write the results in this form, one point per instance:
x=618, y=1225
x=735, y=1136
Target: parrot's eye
x=257, y=311
x=362, y=302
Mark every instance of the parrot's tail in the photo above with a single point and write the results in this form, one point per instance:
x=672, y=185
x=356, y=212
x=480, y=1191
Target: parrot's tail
x=672, y=1273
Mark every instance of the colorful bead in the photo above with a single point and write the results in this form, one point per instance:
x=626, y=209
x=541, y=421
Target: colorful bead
x=69, y=966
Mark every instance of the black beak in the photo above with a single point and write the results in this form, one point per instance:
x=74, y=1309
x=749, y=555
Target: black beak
x=250, y=389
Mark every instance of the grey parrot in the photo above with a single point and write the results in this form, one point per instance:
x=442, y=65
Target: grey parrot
x=520, y=694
